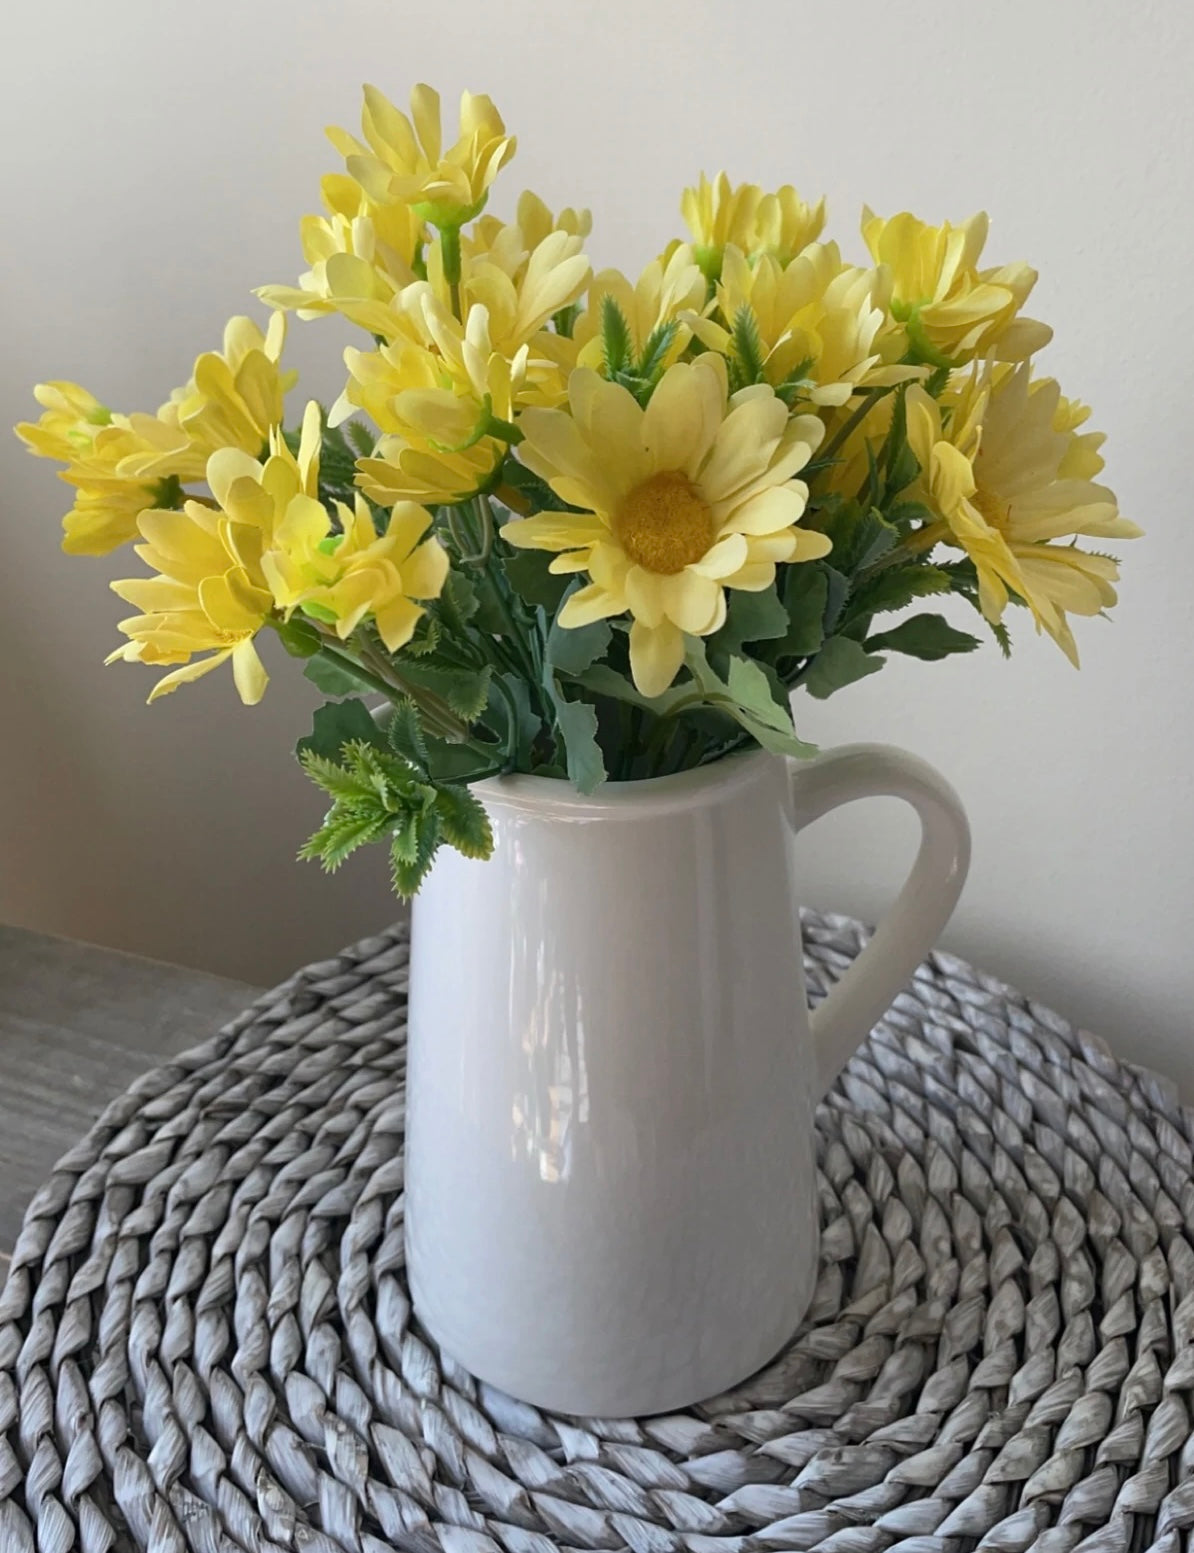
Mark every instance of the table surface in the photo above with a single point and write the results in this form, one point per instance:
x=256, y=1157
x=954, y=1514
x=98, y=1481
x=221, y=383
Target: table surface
x=77, y=1025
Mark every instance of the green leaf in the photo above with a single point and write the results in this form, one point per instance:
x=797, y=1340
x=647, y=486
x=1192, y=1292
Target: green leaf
x=411, y=855
x=465, y=690
x=748, y=348
x=577, y=724
x=335, y=779
x=895, y=586
x=751, y=617
x=603, y=680
x=463, y=822
x=615, y=336
x=529, y=723
x=339, y=723
x=659, y=342
x=837, y=590
x=840, y=662
x=572, y=649
x=527, y=573
x=923, y=636
x=405, y=735
x=342, y=833
x=334, y=677
x=361, y=437
x=758, y=712
x=806, y=599
x=322, y=613
x=458, y=601
x=299, y=637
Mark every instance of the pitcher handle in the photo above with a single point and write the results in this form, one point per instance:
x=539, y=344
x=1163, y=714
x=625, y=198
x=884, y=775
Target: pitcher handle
x=911, y=927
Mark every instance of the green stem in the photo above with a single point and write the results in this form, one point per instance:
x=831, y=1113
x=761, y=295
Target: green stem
x=823, y=455
x=449, y=247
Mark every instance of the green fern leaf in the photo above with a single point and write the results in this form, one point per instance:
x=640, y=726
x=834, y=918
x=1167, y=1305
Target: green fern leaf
x=615, y=334
x=463, y=822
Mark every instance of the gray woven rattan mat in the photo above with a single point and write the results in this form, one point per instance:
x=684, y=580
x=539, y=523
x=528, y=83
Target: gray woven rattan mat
x=205, y=1340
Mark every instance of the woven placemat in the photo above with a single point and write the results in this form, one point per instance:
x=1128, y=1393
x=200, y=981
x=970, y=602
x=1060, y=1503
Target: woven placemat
x=206, y=1342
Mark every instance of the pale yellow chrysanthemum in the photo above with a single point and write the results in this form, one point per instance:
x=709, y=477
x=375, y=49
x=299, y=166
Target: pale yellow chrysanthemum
x=361, y=254
x=405, y=161
x=92, y=442
x=437, y=384
x=682, y=500
x=533, y=223
x=719, y=213
x=267, y=548
x=1001, y=474
x=818, y=319
x=357, y=573
x=667, y=292
x=951, y=310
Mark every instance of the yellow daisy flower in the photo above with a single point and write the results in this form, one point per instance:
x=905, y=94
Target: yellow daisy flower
x=666, y=291
x=719, y=213
x=951, y=310
x=533, y=222
x=1006, y=471
x=361, y=254
x=683, y=499
x=406, y=162
x=817, y=315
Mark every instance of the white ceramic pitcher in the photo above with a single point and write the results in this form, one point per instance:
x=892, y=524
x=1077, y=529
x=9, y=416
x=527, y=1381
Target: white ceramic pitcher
x=610, y=1189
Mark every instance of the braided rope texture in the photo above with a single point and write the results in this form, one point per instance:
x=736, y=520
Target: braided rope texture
x=206, y=1341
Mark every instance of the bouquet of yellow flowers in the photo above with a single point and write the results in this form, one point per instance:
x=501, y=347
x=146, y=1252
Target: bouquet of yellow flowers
x=575, y=524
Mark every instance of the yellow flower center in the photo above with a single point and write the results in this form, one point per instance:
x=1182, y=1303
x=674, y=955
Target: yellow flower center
x=664, y=524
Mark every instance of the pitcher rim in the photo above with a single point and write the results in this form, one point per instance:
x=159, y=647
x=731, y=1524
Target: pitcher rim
x=680, y=789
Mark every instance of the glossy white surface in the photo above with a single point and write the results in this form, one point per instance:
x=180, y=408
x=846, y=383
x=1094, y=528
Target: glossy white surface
x=610, y=1189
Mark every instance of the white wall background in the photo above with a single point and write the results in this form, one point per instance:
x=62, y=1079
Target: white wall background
x=156, y=158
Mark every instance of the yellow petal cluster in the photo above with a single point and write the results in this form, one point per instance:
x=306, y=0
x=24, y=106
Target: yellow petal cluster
x=952, y=311
x=817, y=320
x=1009, y=476
x=438, y=384
x=719, y=213
x=681, y=500
x=121, y=465
x=266, y=548
x=404, y=160
x=668, y=291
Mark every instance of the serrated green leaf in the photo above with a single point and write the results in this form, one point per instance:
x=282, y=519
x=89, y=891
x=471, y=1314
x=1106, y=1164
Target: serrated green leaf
x=603, y=680
x=458, y=601
x=465, y=690
x=463, y=822
x=837, y=591
x=750, y=617
x=760, y=714
x=577, y=724
x=654, y=352
x=572, y=649
x=528, y=723
x=404, y=733
x=615, y=337
x=528, y=574
x=342, y=834
x=806, y=600
x=748, y=348
x=407, y=873
x=335, y=779
x=923, y=636
x=339, y=723
x=894, y=587
x=334, y=677
x=839, y=663
x=361, y=437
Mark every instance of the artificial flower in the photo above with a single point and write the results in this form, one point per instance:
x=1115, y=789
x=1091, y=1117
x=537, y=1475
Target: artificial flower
x=950, y=310
x=361, y=255
x=666, y=294
x=719, y=213
x=404, y=161
x=816, y=322
x=1008, y=486
x=681, y=500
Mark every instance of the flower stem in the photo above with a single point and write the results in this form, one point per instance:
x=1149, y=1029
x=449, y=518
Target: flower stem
x=851, y=424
